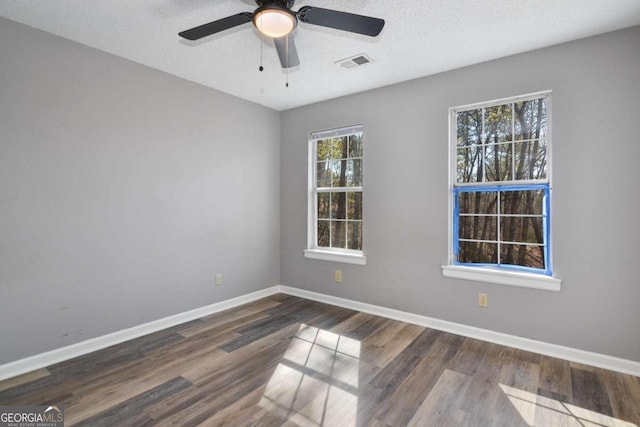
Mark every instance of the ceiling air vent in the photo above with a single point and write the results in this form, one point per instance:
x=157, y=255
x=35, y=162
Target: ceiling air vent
x=354, y=61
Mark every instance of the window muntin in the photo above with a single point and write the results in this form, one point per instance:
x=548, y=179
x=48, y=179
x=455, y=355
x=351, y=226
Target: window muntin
x=336, y=221
x=501, y=185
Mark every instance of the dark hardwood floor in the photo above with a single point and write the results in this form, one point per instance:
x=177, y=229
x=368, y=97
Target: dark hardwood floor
x=284, y=360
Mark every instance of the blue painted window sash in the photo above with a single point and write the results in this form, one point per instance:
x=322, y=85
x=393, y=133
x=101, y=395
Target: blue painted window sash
x=498, y=189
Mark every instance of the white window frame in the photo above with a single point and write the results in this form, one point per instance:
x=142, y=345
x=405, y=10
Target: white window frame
x=312, y=251
x=488, y=273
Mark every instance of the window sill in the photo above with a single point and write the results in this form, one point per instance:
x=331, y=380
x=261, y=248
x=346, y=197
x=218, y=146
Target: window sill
x=501, y=277
x=346, y=257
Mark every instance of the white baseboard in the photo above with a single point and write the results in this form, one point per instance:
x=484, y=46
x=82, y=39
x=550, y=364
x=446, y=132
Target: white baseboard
x=43, y=360
x=575, y=355
x=58, y=355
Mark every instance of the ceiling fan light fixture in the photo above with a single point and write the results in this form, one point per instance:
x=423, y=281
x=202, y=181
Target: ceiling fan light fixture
x=273, y=21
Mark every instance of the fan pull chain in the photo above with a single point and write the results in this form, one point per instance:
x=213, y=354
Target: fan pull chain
x=261, y=68
x=286, y=54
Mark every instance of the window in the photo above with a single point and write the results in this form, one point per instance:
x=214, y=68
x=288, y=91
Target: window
x=501, y=192
x=335, y=195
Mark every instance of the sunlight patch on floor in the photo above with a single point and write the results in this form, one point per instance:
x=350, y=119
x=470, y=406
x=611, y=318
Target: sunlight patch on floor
x=538, y=410
x=316, y=384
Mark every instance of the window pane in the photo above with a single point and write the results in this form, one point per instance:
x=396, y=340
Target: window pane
x=339, y=172
x=530, y=119
x=478, y=202
x=497, y=123
x=522, y=255
x=469, y=164
x=354, y=205
x=323, y=149
x=339, y=205
x=498, y=162
x=323, y=205
x=530, y=159
x=354, y=173
x=354, y=235
x=523, y=162
x=478, y=227
x=469, y=127
x=323, y=174
x=473, y=252
x=521, y=229
x=539, y=156
x=355, y=145
x=340, y=148
x=338, y=234
x=526, y=202
x=323, y=233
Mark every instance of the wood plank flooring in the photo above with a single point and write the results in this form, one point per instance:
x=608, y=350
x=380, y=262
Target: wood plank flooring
x=288, y=361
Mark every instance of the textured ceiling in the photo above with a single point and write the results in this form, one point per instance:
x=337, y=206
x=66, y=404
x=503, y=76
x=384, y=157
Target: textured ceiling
x=421, y=37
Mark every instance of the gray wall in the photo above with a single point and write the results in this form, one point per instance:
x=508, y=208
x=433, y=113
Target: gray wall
x=596, y=199
x=123, y=191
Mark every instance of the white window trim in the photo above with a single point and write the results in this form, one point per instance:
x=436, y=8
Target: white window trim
x=489, y=274
x=335, y=256
x=326, y=254
x=502, y=277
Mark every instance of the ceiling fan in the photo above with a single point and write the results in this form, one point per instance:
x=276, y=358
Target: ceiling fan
x=275, y=19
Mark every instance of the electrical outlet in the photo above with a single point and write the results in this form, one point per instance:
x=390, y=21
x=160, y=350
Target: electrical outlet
x=218, y=279
x=483, y=300
x=338, y=276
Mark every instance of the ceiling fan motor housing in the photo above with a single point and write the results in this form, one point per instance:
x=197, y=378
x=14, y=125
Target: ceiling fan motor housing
x=287, y=4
